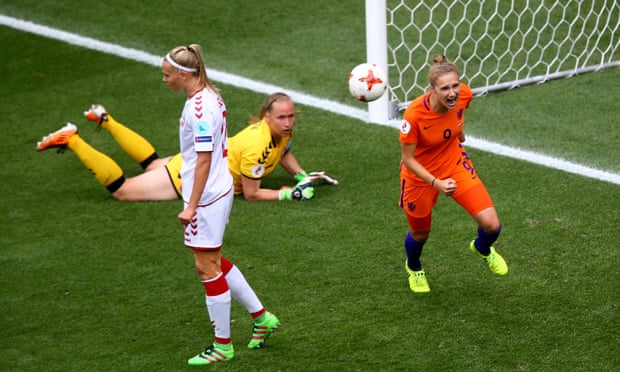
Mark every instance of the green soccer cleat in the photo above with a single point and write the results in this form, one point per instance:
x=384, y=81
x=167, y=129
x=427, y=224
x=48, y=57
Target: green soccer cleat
x=417, y=280
x=212, y=354
x=262, y=330
x=496, y=263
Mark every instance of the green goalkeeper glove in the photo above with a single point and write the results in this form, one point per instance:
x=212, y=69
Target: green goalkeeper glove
x=300, y=176
x=299, y=193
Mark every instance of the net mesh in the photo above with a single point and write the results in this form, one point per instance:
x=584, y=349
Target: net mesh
x=499, y=44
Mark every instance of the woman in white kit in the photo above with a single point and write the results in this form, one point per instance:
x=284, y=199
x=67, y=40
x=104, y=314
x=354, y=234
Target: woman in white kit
x=207, y=191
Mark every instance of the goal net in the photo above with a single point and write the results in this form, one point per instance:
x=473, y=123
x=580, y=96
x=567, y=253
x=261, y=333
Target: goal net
x=497, y=44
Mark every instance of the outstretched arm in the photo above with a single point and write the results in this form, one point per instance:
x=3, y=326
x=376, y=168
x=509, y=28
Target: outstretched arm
x=253, y=191
x=290, y=164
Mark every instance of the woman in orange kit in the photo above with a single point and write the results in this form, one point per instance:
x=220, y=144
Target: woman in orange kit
x=434, y=161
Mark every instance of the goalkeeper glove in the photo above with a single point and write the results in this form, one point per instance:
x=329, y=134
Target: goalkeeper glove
x=300, y=176
x=299, y=193
x=316, y=178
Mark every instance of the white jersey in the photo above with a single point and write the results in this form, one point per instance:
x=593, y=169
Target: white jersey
x=202, y=128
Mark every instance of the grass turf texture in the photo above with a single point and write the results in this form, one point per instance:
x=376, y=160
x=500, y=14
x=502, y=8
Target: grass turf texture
x=93, y=284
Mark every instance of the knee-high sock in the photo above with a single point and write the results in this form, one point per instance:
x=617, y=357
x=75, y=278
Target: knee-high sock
x=413, y=248
x=241, y=290
x=134, y=145
x=217, y=300
x=105, y=170
x=485, y=240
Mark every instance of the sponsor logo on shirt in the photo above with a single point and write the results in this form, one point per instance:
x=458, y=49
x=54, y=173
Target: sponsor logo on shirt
x=203, y=139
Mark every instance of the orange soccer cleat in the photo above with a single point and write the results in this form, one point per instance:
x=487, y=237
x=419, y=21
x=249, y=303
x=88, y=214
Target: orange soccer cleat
x=59, y=138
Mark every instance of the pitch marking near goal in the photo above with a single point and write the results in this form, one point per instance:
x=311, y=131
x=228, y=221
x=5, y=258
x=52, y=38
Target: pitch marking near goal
x=302, y=98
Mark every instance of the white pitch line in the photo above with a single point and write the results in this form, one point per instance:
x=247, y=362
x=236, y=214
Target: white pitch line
x=302, y=98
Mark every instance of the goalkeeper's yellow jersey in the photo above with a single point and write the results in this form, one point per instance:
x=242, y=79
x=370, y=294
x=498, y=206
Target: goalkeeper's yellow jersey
x=254, y=153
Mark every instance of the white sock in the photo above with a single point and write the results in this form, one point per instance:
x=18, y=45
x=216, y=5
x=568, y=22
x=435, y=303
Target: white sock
x=242, y=292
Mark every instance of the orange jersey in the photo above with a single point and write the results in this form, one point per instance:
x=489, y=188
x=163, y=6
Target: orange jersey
x=435, y=135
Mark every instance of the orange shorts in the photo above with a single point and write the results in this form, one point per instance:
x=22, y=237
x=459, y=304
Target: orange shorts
x=418, y=200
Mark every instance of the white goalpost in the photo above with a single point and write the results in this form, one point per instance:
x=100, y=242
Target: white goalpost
x=376, y=52
x=497, y=44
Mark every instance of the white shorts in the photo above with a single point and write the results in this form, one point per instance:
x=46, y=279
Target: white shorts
x=206, y=231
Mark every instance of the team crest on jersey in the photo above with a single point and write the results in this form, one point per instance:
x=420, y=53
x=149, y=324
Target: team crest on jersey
x=258, y=170
x=405, y=127
x=202, y=130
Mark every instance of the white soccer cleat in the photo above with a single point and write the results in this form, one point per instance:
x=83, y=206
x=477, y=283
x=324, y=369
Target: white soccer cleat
x=96, y=113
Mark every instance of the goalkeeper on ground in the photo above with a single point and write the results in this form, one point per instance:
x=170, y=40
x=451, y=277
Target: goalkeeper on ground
x=161, y=178
x=255, y=152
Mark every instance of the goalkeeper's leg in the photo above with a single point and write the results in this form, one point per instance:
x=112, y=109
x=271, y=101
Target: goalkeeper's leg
x=155, y=184
x=104, y=168
x=134, y=145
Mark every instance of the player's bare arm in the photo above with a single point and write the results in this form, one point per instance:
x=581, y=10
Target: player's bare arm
x=252, y=190
x=290, y=164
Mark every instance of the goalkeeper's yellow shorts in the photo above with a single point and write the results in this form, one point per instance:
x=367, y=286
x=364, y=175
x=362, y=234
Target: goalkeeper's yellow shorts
x=174, y=172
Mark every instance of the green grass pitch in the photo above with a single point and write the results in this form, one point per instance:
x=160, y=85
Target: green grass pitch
x=89, y=283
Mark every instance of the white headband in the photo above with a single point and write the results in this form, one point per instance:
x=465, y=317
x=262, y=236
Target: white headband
x=182, y=68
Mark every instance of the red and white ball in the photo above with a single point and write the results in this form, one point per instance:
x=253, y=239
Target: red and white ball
x=367, y=82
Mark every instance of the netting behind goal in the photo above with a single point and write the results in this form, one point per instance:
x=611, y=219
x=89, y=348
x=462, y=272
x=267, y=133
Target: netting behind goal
x=498, y=44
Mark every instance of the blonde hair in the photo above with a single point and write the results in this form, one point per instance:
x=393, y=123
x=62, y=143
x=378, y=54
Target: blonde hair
x=268, y=105
x=189, y=59
x=441, y=66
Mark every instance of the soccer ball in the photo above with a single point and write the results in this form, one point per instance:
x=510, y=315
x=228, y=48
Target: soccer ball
x=367, y=82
